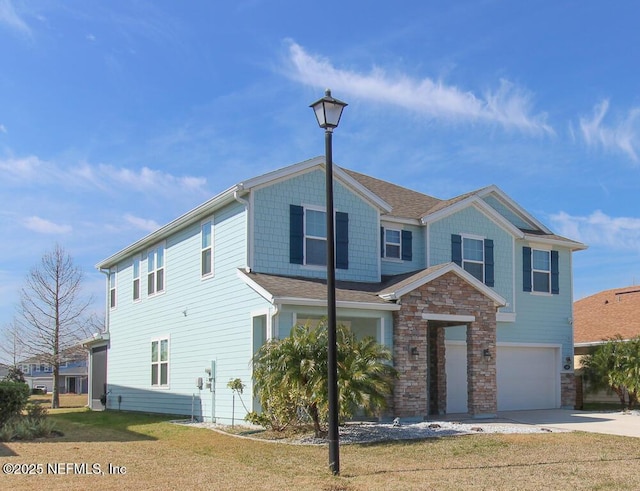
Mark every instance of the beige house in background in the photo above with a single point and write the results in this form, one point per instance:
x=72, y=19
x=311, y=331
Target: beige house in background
x=600, y=317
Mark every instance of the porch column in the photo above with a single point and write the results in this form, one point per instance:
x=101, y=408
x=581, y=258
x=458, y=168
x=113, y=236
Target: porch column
x=482, y=386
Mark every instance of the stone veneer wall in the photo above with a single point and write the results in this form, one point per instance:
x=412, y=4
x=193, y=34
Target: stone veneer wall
x=568, y=390
x=448, y=294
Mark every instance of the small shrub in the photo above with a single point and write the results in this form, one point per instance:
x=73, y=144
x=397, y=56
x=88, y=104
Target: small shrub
x=26, y=428
x=13, y=398
x=36, y=412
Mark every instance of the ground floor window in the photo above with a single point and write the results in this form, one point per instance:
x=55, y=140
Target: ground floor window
x=160, y=362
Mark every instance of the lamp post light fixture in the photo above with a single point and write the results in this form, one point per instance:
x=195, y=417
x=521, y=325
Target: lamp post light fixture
x=328, y=111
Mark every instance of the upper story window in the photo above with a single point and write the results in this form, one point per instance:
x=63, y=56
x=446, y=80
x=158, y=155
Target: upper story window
x=308, y=237
x=540, y=270
x=155, y=270
x=315, y=237
x=160, y=362
x=392, y=243
x=136, y=279
x=206, y=231
x=474, y=255
x=112, y=289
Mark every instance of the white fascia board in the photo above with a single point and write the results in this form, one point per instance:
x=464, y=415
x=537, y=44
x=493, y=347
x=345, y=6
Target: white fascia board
x=515, y=207
x=400, y=220
x=482, y=207
x=498, y=300
x=257, y=288
x=537, y=239
x=286, y=173
x=163, y=232
x=310, y=302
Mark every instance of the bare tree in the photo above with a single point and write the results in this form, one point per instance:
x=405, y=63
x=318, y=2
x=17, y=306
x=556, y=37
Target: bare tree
x=51, y=318
x=10, y=346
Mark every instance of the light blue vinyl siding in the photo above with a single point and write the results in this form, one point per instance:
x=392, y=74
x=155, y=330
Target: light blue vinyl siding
x=507, y=212
x=217, y=325
x=271, y=227
x=471, y=221
x=418, y=258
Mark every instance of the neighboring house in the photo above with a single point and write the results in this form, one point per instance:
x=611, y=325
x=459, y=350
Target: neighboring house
x=603, y=316
x=473, y=295
x=4, y=371
x=73, y=376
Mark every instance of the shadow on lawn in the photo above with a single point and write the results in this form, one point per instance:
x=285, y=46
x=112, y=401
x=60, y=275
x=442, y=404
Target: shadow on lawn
x=6, y=451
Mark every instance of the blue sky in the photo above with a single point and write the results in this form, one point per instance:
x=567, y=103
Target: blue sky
x=116, y=117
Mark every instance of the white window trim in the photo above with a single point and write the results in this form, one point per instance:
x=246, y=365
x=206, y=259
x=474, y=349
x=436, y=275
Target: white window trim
x=474, y=237
x=159, y=363
x=202, y=249
x=318, y=267
x=533, y=270
x=113, y=290
x=134, y=278
x=155, y=270
x=399, y=244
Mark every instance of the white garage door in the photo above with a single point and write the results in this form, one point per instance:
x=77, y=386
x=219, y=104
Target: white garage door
x=527, y=377
x=456, y=369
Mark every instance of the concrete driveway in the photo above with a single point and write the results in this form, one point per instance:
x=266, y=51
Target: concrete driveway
x=612, y=423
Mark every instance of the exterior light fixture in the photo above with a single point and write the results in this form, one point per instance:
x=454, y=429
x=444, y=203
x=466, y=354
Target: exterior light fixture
x=328, y=111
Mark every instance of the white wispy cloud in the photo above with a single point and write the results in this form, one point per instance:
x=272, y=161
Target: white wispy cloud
x=508, y=105
x=141, y=223
x=32, y=169
x=622, y=135
x=600, y=229
x=10, y=18
x=40, y=225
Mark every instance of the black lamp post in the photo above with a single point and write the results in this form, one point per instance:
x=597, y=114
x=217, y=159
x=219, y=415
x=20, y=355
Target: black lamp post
x=328, y=111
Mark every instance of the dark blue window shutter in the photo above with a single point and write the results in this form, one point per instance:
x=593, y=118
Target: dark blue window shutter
x=456, y=249
x=526, y=269
x=342, y=240
x=488, y=262
x=407, y=245
x=381, y=241
x=555, y=273
x=296, y=234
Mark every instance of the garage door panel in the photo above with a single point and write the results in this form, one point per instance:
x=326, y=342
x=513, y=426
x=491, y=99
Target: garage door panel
x=527, y=377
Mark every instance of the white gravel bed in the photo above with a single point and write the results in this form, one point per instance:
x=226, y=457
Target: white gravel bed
x=377, y=432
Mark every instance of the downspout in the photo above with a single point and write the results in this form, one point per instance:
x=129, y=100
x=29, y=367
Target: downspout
x=242, y=201
x=107, y=273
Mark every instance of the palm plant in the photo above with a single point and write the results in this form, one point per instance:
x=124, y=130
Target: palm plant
x=291, y=375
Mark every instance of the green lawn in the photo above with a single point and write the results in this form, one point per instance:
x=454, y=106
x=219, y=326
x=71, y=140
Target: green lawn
x=160, y=455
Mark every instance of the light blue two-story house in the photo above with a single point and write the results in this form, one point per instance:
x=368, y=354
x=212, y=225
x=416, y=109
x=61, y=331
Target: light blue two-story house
x=473, y=295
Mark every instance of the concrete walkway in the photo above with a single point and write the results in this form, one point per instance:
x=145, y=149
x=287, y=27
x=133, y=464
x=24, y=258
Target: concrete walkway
x=612, y=423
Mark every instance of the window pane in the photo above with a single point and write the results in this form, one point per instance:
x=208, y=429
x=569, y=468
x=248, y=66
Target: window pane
x=164, y=373
x=112, y=295
x=164, y=350
x=151, y=261
x=392, y=236
x=206, y=235
x=154, y=351
x=473, y=249
x=154, y=374
x=136, y=289
x=542, y=260
x=160, y=280
x=317, y=252
x=392, y=251
x=160, y=260
x=541, y=282
x=136, y=268
x=316, y=223
x=151, y=283
x=476, y=269
x=206, y=262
